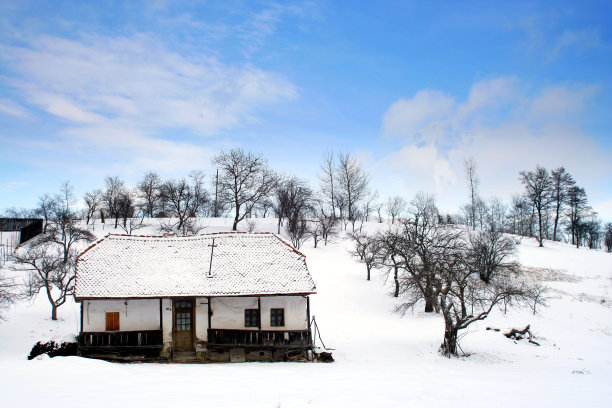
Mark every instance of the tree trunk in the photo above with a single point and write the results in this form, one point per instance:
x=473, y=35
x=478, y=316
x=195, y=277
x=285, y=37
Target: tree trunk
x=540, y=228
x=450, y=341
x=429, y=301
x=236, y=219
x=396, y=280
x=554, y=237
x=368, y=268
x=53, y=311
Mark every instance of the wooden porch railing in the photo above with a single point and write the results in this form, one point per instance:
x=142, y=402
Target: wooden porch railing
x=260, y=338
x=139, y=338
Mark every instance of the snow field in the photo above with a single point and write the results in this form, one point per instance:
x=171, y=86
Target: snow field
x=382, y=359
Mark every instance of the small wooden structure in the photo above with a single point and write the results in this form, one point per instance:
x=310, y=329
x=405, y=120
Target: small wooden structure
x=215, y=297
x=16, y=231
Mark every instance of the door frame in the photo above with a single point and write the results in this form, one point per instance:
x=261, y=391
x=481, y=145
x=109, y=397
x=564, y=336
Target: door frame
x=174, y=326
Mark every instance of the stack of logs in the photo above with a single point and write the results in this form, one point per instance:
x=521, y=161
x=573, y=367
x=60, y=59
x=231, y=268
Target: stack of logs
x=516, y=334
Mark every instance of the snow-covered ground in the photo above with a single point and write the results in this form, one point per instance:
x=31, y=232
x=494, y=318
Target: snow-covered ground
x=382, y=359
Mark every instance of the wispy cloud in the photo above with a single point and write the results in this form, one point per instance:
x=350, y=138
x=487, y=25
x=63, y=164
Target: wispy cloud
x=137, y=80
x=264, y=24
x=575, y=39
x=11, y=108
x=136, y=90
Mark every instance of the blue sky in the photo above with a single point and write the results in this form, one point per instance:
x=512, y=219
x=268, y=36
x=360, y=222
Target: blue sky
x=89, y=89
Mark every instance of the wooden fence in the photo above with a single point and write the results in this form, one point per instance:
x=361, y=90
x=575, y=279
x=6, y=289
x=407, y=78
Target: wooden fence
x=8, y=243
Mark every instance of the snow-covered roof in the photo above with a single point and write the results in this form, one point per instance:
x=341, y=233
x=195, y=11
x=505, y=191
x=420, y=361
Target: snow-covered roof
x=122, y=266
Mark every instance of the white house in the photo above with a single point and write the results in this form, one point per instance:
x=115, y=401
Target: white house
x=215, y=297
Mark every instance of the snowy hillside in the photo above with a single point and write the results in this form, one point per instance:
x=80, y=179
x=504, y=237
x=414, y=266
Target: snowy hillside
x=382, y=359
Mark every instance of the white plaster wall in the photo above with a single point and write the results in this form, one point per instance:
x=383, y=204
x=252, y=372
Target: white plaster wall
x=134, y=314
x=295, y=312
x=228, y=312
x=201, y=319
x=167, y=325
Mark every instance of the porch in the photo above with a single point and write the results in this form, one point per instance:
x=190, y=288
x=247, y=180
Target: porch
x=290, y=339
x=140, y=339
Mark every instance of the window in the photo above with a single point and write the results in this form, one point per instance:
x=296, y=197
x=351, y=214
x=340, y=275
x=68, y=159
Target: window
x=183, y=320
x=277, y=317
x=112, y=321
x=251, y=318
x=184, y=304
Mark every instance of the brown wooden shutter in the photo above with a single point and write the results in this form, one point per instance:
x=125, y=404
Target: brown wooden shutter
x=112, y=321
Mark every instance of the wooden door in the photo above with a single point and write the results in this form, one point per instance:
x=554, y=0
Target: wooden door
x=183, y=324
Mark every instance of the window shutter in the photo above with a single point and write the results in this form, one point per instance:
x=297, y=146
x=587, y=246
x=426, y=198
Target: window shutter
x=112, y=321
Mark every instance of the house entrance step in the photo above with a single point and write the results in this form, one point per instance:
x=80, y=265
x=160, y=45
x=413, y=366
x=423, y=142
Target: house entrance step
x=184, y=357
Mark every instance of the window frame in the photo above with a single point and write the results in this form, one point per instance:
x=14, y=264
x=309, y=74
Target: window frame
x=251, y=318
x=274, y=320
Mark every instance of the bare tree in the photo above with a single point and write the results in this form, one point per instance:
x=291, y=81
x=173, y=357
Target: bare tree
x=113, y=192
x=341, y=205
x=378, y=207
x=298, y=231
x=459, y=292
x=577, y=203
x=519, y=213
x=390, y=256
x=592, y=231
x=9, y=292
x=47, y=272
x=420, y=236
x=497, y=212
x=369, y=204
x=93, y=201
x=295, y=203
x=327, y=180
x=244, y=180
x=561, y=182
x=608, y=236
x=367, y=249
x=353, y=184
x=126, y=206
x=150, y=192
x=395, y=207
x=185, y=199
x=323, y=225
x=45, y=207
x=64, y=230
x=292, y=199
x=469, y=168
x=265, y=206
x=132, y=224
x=538, y=190
x=491, y=252
x=50, y=258
x=465, y=298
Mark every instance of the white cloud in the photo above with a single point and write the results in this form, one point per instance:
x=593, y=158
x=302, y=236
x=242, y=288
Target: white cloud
x=138, y=81
x=506, y=130
x=579, y=39
x=559, y=101
x=138, y=151
x=11, y=108
x=136, y=96
x=422, y=117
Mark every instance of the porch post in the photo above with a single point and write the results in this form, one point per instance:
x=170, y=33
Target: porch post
x=259, y=313
x=308, y=320
x=161, y=324
x=209, y=320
